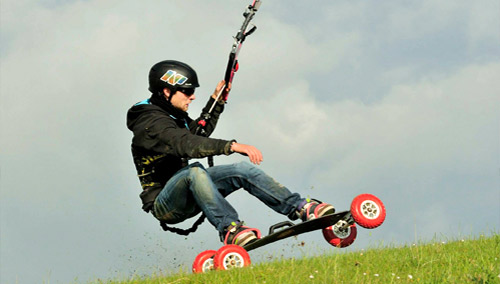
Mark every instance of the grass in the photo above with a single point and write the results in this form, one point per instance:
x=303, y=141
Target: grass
x=459, y=261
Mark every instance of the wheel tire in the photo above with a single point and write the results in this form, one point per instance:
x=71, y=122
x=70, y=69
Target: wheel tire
x=338, y=237
x=204, y=262
x=231, y=256
x=368, y=211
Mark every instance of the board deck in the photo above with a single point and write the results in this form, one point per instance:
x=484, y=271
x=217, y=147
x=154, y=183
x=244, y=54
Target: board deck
x=276, y=234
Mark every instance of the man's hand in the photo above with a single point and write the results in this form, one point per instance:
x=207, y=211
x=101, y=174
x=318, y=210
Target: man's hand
x=218, y=89
x=253, y=153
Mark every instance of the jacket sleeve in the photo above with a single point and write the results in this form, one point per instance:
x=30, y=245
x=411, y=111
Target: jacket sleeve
x=158, y=132
x=214, y=116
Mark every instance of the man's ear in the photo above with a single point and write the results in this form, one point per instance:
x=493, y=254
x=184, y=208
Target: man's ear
x=166, y=93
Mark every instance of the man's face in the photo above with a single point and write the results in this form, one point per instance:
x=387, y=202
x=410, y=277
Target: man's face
x=181, y=99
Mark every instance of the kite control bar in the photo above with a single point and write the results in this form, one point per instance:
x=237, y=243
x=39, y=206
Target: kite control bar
x=232, y=67
x=232, y=64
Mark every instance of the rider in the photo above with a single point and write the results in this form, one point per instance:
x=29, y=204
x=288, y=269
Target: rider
x=173, y=190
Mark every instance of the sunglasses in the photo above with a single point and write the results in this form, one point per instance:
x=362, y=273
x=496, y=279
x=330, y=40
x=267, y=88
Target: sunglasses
x=186, y=91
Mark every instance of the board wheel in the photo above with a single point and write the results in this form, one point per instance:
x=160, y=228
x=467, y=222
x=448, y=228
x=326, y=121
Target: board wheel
x=341, y=234
x=368, y=211
x=204, y=262
x=231, y=256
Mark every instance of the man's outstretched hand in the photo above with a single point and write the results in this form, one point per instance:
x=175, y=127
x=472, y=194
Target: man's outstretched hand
x=253, y=153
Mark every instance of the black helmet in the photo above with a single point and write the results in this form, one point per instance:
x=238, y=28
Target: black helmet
x=172, y=74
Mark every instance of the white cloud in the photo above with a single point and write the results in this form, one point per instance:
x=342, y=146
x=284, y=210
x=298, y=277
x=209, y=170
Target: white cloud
x=422, y=124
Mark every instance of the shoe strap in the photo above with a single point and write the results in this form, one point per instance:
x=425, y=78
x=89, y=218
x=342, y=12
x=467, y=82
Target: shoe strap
x=246, y=229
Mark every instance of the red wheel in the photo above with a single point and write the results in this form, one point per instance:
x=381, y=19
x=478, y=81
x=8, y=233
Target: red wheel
x=368, y=211
x=204, y=262
x=231, y=256
x=340, y=235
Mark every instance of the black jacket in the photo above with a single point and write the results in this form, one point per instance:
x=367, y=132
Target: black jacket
x=163, y=141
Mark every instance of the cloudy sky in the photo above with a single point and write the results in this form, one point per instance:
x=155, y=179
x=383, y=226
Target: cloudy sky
x=395, y=98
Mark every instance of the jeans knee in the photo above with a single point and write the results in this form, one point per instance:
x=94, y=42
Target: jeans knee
x=197, y=171
x=200, y=182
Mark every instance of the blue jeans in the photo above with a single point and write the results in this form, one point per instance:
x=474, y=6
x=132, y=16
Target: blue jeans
x=194, y=188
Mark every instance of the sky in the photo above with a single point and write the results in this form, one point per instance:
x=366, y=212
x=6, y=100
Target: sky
x=393, y=98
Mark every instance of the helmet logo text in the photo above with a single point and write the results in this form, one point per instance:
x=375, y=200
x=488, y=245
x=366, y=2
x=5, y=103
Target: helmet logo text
x=173, y=78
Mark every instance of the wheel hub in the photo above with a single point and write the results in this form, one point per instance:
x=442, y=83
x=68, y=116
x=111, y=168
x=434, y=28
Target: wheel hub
x=370, y=209
x=233, y=260
x=341, y=229
x=208, y=265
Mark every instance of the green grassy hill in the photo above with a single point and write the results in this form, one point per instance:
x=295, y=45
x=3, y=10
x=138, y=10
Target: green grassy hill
x=461, y=261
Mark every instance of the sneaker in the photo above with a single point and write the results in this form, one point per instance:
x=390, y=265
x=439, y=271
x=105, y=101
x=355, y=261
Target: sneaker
x=238, y=234
x=314, y=209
